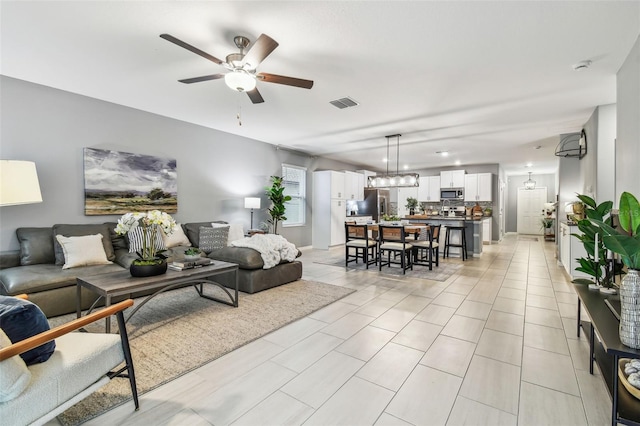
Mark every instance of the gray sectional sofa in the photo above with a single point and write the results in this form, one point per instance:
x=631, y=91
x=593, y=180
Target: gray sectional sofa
x=36, y=269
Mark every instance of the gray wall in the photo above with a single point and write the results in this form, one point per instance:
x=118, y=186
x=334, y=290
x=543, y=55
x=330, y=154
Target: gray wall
x=216, y=170
x=628, y=125
x=606, y=162
x=589, y=163
x=517, y=181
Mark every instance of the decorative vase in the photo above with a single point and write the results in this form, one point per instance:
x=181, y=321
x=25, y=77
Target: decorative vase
x=412, y=212
x=148, y=270
x=192, y=257
x=630, y=309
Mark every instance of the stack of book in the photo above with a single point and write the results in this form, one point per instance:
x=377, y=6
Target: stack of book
x=181, y=266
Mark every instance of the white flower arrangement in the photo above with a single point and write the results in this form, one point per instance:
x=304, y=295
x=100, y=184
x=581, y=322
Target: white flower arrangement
x=150, y=222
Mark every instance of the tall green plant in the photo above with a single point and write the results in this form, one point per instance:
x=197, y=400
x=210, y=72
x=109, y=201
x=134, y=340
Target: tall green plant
x=626, y=243
x=275, y=193
x=594, y=213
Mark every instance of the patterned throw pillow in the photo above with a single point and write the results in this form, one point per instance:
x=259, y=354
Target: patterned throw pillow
x=136, y=237
x=213, y=238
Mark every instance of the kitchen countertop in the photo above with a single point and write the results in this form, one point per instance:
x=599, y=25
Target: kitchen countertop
x=440, y=217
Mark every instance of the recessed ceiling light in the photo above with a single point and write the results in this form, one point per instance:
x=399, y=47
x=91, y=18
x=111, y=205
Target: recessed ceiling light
x=384, y=160
x=443, y=153
x=581, y=66
x=406, y=167
x=529, y=165
x=458, y=162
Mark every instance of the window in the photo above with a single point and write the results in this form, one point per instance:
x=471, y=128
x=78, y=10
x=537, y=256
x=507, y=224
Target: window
x=294, y=180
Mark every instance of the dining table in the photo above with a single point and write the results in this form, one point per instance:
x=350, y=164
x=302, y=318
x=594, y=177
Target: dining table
x=411, y=229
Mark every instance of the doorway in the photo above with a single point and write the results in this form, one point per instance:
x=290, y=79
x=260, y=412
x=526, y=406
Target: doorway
x=529, y=210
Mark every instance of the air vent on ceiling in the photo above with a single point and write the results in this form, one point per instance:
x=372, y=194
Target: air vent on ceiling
x=343, y=103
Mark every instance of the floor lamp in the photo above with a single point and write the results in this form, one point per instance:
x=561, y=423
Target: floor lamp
x=251, y=203
x=19, y=183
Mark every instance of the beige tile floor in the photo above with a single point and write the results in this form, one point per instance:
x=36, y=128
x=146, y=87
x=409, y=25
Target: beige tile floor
x=495, y=344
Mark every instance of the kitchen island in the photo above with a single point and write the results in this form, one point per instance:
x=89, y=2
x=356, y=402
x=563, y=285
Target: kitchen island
x=472, y=225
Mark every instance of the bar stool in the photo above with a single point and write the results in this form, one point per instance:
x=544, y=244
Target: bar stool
x=462, y=245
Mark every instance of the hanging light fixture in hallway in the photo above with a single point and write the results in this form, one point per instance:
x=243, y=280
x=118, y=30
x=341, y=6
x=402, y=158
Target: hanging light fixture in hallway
x=529, y=183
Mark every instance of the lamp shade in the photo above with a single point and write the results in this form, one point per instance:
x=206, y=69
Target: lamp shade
x=240, y=81
x=252, y=203
x=19, y=183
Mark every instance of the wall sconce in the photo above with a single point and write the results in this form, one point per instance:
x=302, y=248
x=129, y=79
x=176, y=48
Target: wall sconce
x=251, y=203
x=19, y=183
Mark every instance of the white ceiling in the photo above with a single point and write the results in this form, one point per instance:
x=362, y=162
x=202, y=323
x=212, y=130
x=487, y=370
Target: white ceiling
x=487, y=81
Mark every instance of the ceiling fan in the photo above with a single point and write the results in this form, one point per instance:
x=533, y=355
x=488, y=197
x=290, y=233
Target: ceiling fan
x=242, y=75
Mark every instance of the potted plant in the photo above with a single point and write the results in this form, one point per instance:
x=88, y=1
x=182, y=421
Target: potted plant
x=275, y=193
x=626, y=243
x=546, y=224
x=192, y=253
x=592, y=240
x=412, y=205
x=143, y=230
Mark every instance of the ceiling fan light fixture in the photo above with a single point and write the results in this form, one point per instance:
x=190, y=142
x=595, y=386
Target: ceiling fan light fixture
x=240, y=81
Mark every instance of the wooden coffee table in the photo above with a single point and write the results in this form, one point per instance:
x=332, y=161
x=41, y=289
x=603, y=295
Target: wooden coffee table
x=122, y=283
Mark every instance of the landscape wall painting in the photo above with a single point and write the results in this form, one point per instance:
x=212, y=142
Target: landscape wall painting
x=121, y=182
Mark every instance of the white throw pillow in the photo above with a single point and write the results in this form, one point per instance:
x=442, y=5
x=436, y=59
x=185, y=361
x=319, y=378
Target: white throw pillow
x=14, y=374
x=176, y=238
x=83, y=251
x=236, y=232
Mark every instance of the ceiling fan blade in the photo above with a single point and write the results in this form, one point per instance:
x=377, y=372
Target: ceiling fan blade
x=203, y=78
x=262, y=48
x=189, y=47
x=281, y=79
x=255, y=96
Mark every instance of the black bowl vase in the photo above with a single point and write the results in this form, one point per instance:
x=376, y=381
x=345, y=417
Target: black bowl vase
x=148, y=270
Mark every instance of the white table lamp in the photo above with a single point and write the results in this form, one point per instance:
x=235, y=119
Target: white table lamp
x=19, y=183
x=251, y=203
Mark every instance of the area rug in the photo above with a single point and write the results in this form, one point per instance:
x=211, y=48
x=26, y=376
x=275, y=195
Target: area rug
x=178, y=331
x=438, y=273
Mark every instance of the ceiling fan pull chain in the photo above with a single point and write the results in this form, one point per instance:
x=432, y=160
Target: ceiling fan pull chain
x=239, y=114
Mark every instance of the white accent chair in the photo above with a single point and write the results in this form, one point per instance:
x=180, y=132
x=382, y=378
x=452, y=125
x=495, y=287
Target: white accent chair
x=81, y=364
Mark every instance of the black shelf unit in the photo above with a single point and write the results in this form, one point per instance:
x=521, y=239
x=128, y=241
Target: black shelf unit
x=606, y=349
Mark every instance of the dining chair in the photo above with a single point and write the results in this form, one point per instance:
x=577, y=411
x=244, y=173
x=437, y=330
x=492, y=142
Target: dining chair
x=425, y=250
x=392, y=240
x=357, y=239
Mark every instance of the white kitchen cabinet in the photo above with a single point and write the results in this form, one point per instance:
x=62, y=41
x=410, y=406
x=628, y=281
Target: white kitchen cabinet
x=452, y=179
x=353, y=186
x=487, y=226
x=429, y=189
x=403, y=194
x=471, y=187
x=329, y=209
x=338, y=216
x=337, y=183
x=571, y=249
x=477, y=187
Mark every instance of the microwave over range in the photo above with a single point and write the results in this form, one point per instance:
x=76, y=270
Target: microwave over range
x=452, y=194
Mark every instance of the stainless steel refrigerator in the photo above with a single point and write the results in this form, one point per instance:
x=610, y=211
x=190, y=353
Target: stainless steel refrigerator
x=376, y=203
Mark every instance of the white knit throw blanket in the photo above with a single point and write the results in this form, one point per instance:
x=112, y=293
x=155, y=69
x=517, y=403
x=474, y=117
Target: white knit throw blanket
x=273, y=248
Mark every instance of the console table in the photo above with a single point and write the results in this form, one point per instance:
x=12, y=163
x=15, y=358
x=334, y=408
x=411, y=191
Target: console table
x=606, y=350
